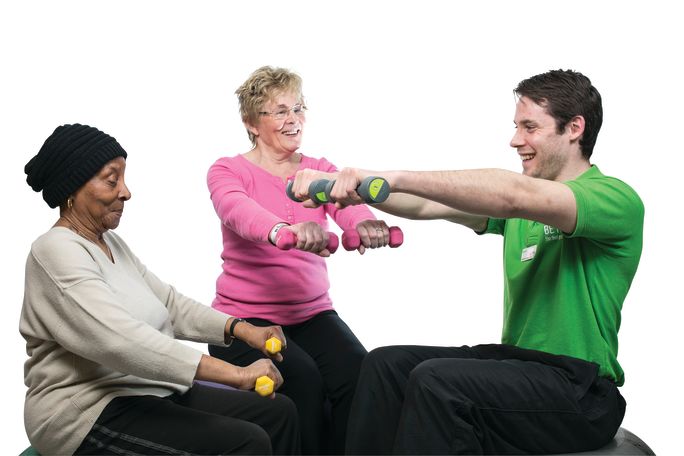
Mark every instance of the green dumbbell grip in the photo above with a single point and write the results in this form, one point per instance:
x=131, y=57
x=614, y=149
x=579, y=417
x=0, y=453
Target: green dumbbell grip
x=317, y=192
x=373, y=189
x=290, y=194
x=328, y=188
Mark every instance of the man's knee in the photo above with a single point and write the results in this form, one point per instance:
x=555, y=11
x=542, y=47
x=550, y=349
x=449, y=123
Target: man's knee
x=440, y=378
x=425, y=374
x=383, y=359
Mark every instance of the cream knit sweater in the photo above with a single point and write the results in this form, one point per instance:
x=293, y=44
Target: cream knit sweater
x=96, y=330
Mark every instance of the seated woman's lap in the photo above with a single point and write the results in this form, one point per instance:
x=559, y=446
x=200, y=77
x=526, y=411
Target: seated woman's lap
x=204, y=420
x=321, y=352
x=321, y=363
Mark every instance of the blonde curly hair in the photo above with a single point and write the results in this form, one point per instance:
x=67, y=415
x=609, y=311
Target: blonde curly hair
x=262, y=86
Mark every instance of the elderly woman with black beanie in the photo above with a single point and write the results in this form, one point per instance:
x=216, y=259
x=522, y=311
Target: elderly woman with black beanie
x=105, y=374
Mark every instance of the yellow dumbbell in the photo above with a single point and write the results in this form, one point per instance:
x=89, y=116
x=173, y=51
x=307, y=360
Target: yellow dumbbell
x=273, y=345
x=264, y=386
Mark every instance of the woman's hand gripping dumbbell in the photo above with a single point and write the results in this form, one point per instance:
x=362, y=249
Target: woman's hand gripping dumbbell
x=372, y=233
x=264, y=385
x=307, y=236
x=262, y=375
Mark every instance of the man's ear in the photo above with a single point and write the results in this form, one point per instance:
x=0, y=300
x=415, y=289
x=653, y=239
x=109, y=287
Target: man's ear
x=575, y=127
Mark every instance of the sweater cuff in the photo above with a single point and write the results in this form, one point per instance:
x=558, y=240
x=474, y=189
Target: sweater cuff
x=216, y=328
x=190, y=357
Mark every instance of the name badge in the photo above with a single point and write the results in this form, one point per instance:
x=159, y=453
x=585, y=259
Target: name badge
x=528, y=253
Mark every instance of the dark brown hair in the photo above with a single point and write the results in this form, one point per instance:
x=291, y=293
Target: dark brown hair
x=566, y=94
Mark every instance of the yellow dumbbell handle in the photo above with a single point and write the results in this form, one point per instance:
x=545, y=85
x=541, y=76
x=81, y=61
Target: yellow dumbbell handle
x=273, y=345
x=264, y=386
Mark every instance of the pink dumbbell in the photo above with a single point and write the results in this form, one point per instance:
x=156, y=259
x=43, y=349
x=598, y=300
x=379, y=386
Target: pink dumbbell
x=286, y=239
x=352, y=241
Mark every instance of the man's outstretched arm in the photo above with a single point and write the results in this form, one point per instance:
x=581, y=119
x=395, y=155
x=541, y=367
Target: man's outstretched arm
x=474, y=194
x=400, y=204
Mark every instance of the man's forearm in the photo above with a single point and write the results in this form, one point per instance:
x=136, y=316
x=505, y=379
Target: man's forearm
x=492, y=193
x=475, y=195
x=485, y=192
x=419, y=208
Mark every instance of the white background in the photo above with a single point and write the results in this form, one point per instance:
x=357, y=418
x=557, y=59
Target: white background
x=412, y=85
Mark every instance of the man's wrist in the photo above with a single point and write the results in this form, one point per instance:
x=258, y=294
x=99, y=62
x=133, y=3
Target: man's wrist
x=395, y=179
x=274, y=231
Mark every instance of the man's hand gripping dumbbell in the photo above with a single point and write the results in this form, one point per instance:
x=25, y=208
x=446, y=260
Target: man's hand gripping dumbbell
x=371, y=190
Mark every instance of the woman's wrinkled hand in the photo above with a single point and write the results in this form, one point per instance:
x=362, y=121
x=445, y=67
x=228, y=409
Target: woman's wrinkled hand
x=373, y=234
x=260, y=367
x=256, y=337
x=311, y=237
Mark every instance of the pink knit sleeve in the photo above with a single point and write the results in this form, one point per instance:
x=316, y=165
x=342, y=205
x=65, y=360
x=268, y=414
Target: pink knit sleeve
x=348, y=217
x=233, y=205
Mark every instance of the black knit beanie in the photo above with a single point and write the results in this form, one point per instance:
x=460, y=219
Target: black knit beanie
x=70, y=157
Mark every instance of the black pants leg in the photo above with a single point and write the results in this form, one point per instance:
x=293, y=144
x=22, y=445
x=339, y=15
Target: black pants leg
x=485, y=399
x=377, y=405
x=338, y=355
x=204, y=420
x=321, y=364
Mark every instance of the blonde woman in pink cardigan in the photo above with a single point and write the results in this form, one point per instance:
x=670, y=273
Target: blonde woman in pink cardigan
x=268, y=286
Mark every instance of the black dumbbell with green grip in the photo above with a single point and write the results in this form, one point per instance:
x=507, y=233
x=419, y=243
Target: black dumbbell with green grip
x=372, y=190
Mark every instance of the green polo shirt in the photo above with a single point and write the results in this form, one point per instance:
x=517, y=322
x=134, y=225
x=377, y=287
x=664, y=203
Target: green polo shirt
x=563, y=293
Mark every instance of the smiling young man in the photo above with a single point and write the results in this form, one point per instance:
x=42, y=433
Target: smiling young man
x=572, y=243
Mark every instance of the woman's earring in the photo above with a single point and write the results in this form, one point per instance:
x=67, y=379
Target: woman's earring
x=70, y=202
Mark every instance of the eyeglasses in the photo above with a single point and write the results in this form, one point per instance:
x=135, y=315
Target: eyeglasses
x=282, y=112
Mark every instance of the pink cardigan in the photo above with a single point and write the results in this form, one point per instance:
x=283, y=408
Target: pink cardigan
x=258, y=279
